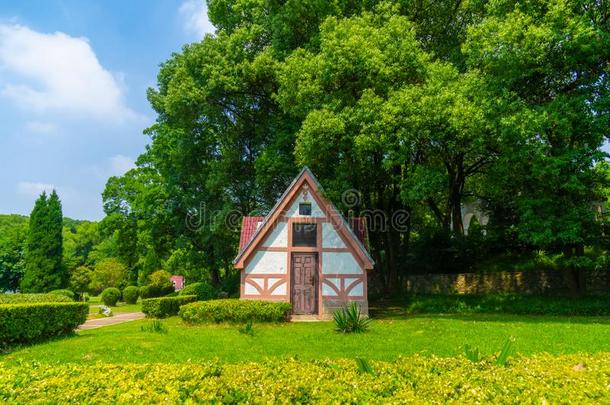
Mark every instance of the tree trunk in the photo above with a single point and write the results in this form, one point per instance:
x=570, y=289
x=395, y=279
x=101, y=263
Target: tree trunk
x=454, y=199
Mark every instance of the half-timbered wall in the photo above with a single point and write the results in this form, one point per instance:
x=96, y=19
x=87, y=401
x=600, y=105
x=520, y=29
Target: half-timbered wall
x=341, y=276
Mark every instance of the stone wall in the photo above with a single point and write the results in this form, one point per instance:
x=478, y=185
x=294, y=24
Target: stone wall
x=528, y=283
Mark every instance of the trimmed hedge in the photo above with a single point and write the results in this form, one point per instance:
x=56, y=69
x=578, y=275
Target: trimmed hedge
x=165, y=306
x=203, y=291
x=149, y=291
x=65, y=293
x=110, y=296
x=32, y=298
x=234, y=310
x=414, y=379
x=24, y=323
x=131, y=294
x=507, y=304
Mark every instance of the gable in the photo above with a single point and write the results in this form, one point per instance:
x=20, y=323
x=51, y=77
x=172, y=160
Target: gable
x=304, y=188
x=304, y=196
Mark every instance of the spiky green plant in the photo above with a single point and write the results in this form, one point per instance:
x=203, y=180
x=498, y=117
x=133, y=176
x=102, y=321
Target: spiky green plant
x=364, y=366
x=155, y=326
x=472, y=353
x=248, y=328
x=350, y=319
x=507, y=348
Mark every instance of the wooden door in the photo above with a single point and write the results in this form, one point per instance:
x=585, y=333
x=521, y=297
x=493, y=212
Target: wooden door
x=304, y=283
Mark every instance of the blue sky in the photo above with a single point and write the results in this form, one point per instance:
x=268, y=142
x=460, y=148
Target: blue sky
x=73, y=80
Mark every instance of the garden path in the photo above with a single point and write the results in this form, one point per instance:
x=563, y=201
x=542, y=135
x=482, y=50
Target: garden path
x=113, y=320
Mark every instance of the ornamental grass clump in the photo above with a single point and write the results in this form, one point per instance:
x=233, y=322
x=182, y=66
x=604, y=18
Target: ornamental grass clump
x=351, y=320
x=155, y=326
x=248, y=328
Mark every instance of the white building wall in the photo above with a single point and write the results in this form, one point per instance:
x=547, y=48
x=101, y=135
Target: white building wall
x=340, y=263
x=330, y=237
x=265, y=262
x=278, y=237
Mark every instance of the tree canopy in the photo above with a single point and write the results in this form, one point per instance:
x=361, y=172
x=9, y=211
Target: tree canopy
x=419, y=106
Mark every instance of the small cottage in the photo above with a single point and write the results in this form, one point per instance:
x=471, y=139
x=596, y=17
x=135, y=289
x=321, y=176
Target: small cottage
x=304, y=252
x=177, y=282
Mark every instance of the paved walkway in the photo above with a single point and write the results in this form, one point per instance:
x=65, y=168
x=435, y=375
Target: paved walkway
x=113, y=320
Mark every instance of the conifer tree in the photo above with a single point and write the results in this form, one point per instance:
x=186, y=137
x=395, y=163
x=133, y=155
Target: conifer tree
x=44, y=247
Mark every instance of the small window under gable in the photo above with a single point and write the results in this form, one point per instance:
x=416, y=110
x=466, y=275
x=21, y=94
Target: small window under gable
x=305, y=209
x=304, y=235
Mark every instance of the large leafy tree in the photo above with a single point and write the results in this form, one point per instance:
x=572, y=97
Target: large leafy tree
x=44, y=270
x=13, y=233
x=418, y=105
x=550, y=58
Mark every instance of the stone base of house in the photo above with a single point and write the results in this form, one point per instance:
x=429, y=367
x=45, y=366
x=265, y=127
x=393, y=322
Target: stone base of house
x=330, y=306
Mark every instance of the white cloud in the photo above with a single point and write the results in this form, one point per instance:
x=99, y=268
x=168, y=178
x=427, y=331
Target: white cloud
x=58, y=73
x=39, y=127
x=34, y=189
x=195, y=16
x=120, y=164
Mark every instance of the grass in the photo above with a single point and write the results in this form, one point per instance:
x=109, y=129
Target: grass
x=442, y=335
x=94, y=302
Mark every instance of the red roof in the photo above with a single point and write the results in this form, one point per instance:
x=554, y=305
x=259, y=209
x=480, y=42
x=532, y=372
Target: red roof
x=358, y=225
x=249, y=225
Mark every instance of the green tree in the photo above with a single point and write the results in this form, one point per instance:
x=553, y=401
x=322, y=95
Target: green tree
x=44, y=247
x=80, y=280
x=13, y=234
x=551, y=58
x=108, y=273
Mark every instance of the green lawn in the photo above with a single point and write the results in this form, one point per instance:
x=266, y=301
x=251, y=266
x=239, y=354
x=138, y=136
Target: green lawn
x=94, y=302
x=443, y=335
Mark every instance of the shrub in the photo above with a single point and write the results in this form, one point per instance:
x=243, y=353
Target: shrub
x=145, y=292
x=24, y=323
x=131, y=294
x=414, y=379
x=65, y=293
x=350, y=319
x=234, y=310
x=160, y=283
x=165, y=306
x=32, y=298
x=203, y=291
x=156, y=326
x=507, y=304
x=110, y=296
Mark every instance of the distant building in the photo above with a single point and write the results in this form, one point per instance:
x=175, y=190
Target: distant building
x=178, y=282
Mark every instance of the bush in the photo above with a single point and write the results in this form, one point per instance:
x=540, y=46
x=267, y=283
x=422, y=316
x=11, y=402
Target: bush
x=145, y=292
x=131, y=294
x=165, y=306
x=24, y=323
x=203, y=291
x=350, y=319
x=65, y=293
x=507, y=304
x=234, y=310
x=149, y=291
x=32, y=298
x=110, y=296
x=160, y=282
x=413, y=379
